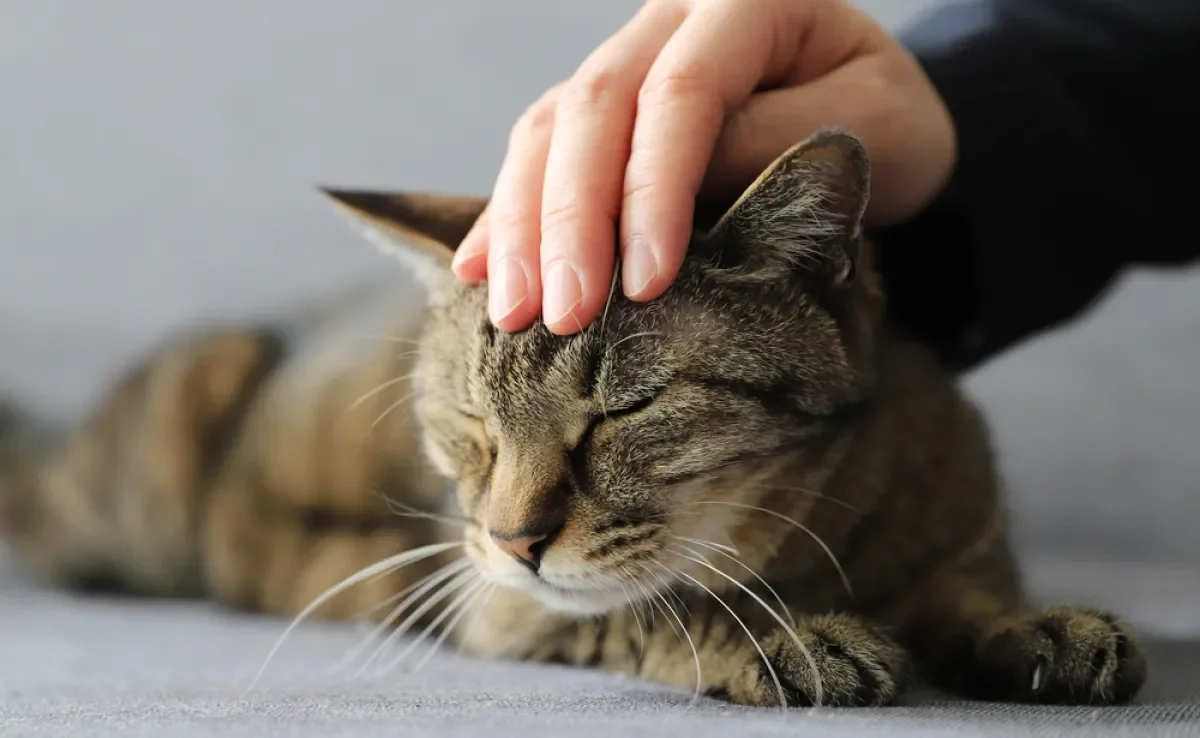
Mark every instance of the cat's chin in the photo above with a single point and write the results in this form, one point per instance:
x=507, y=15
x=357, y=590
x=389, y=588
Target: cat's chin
x=574, y=601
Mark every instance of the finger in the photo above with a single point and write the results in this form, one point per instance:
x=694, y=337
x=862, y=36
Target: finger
x=514, y=220
x=834, y=79
x=861, y=97
x=586, y=167
x=470, y=258
x=720, y=54
x=771, y=122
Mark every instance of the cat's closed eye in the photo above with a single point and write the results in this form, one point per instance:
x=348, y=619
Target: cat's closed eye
x=628, y=408
x=617, y=411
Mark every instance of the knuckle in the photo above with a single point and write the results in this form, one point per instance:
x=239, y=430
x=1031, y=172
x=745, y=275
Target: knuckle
x=592, y=88
x=687, y=83
x=508, y=219
x=560, y=215
x=639, y=190
x=536, y=121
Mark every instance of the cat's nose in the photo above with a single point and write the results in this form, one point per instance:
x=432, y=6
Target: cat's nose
x=527, y=550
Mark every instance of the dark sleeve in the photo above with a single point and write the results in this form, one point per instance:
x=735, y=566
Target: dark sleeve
x=1079, y=155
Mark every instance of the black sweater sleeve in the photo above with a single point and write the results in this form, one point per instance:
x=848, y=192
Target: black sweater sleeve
x=1079, y=155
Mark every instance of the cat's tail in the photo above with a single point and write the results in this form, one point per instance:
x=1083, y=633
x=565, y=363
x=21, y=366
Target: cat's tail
x=26, y=441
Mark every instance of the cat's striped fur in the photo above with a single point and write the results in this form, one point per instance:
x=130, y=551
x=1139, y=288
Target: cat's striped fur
x=800, y=503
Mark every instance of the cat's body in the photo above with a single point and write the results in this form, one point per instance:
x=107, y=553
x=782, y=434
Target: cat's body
x=799, y=501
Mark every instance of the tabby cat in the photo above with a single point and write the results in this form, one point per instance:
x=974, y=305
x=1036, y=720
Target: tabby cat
x=750, y=487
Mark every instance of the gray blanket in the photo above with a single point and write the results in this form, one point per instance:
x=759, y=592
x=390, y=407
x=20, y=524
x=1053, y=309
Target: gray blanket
x=98, y=667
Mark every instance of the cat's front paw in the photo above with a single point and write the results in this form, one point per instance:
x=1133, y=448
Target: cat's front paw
x=1064, y=655
x=855, y=665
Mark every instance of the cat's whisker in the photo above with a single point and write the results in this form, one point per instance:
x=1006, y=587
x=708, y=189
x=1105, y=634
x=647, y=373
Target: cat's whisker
x=473, y=583
x=365, y=615
x=431, y=516
x=654, y=598
x=479, y=612
x=692, y=644
x=612, y=289
x=655, y=603
x=721, y=550
x=380, y=388
x=679, y=599
x=731, y=550
x=480, y=589
x=398, y=508
x=443, y=572
x=646, y=596
x=761, y=485
x=791, y=631
x=380, y=568
x=634, y=610
x=578, y=324
x=803, y=528
x=632, y=336
x=665, y=583
x=749, y=634
x=381, y=337
x=440, y=577
x=658, y=601
x=456, y=582
x=390, y=409
x=674, y=514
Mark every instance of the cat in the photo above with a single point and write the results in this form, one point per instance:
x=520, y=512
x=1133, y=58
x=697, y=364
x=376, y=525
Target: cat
x=753, y=487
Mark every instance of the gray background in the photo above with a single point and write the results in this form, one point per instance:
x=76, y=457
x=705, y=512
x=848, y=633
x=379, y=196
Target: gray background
x=156, y=170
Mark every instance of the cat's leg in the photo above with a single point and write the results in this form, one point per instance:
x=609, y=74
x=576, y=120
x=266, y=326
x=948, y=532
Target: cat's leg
x=845, y=661
x=696, y=644
x=971, y=632
x=114, y=503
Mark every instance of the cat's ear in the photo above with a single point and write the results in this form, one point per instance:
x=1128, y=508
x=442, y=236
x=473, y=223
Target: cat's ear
x=804, y=213
x=421, y=229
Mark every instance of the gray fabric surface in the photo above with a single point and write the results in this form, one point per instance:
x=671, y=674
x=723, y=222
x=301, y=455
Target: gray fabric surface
x=98, y=667
x=157, y=170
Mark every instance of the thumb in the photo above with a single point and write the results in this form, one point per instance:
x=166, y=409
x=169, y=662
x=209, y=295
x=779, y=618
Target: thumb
x=881, y=98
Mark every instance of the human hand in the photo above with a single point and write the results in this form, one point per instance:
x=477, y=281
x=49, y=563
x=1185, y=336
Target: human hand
x=690, y=97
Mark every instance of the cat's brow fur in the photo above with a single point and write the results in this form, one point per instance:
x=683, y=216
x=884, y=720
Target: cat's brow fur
x=761, y=416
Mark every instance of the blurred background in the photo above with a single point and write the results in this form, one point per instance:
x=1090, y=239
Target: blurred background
x=157, y=169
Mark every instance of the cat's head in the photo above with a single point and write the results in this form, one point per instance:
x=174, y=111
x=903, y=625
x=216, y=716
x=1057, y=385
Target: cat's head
x=588, y=462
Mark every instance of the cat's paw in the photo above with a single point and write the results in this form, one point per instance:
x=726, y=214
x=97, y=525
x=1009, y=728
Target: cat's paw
x=856, y=665
x=1064, y=655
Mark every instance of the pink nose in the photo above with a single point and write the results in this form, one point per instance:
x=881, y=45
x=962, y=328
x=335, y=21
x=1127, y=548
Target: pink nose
x=525, y=549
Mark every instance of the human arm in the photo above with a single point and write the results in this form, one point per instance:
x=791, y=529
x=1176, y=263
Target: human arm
x=1077, y=157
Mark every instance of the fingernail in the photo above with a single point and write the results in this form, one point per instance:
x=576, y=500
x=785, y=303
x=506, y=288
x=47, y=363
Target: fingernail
x=462, y=254
x=639, y=267
x=508, y=289
x=465, y=264
x=468, y=248
x=563, y=292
